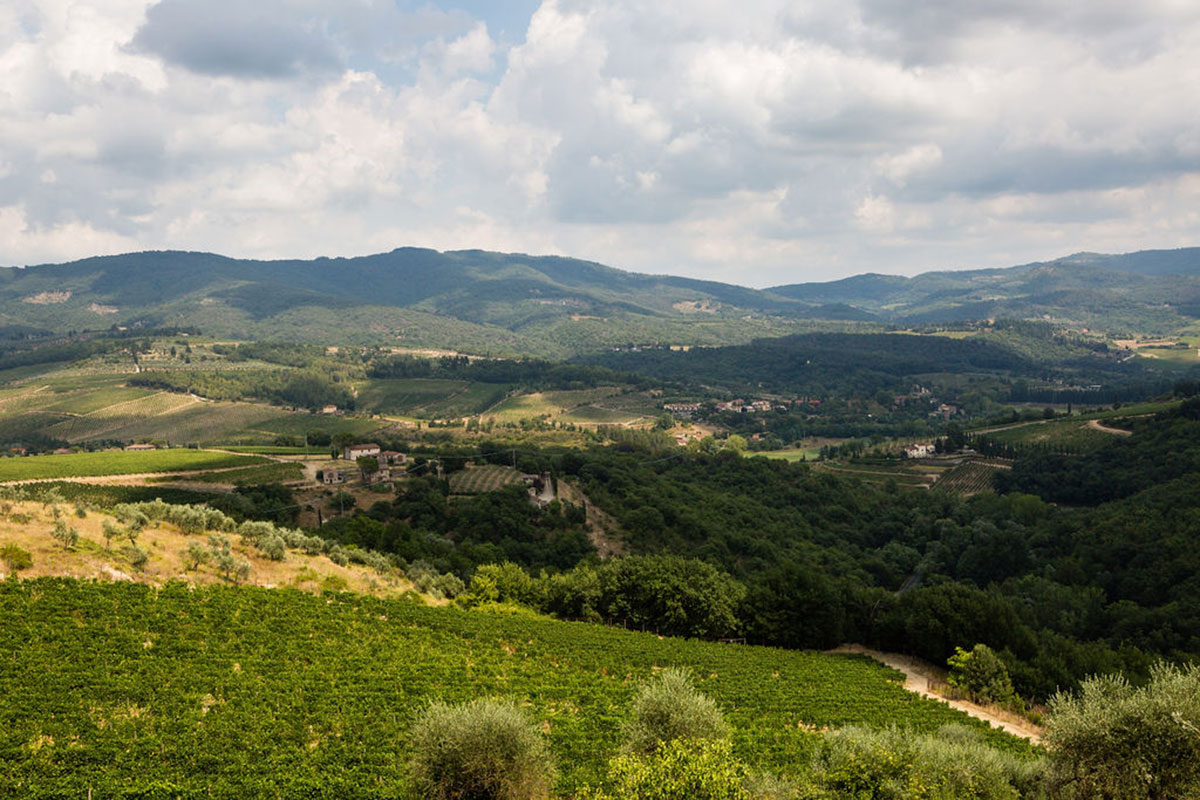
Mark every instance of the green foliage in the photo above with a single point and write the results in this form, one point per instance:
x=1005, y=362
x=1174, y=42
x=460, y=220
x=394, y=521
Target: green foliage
x=117, y=463
x=482, y=750
x=211, y=728
x=1112, y=739
x=669, y=709
x=65, y=535
x=897, y=765
x=194, y=555
x=982, y=674
x=15, y=557
x=137, y=556
x=692, y=769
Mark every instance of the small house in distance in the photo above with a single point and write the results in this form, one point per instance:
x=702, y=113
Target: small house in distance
x=140, y=447
x=391, y=457
x=919, y=450
x=356, y=451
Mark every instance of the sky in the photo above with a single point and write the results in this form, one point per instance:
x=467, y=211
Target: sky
x=760, y=142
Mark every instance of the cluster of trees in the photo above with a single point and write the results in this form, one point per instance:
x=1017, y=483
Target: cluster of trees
x=422, y=523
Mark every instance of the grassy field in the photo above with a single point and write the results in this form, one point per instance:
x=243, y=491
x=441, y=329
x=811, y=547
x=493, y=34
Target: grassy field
x=602, y=416
x=477, y=480
x=179, y=691
x=791, y=453
x=525, y=406
x=296, y=424
x=78, y=465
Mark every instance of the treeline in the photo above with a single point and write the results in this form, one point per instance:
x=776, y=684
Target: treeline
x=303, y=388
x=822, y=362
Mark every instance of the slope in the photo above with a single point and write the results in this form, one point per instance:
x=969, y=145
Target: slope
x=253, y=692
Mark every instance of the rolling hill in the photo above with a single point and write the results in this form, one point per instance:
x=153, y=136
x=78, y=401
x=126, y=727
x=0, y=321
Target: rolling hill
x=1150, y=291
x=509, y=304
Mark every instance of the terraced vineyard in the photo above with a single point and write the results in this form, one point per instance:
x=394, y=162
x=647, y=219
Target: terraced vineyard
x=969, y=477
x=125, y=690
x=78, y=465
x=477, y=480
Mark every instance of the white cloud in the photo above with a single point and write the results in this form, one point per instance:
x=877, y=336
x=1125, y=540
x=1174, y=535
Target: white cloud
x=759, y=143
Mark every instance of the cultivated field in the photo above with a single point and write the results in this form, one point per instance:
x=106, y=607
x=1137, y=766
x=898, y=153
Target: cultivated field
x=477, y=480
x=78, y=465
x=969, y=477
x=247, y=476
x=241, y=692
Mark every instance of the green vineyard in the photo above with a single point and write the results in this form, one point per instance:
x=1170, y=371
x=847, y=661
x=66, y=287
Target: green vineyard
x=125, y=690
x=969, y=477
x=477, y=480
x=77, y=465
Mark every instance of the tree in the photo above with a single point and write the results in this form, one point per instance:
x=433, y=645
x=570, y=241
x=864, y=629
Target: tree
x=1114, y=740
x=669, y=708
x=67, y=536
x=367, y=465
x=481, y=749
x=194, y=555
x=981, y=673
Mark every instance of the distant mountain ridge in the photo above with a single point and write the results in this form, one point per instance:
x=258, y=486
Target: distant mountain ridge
x=1152, y=290
x=511, y=303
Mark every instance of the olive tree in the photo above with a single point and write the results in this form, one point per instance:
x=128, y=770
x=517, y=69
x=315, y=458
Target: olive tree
x=1114, y=740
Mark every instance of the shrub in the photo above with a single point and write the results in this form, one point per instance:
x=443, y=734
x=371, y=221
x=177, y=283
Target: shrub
x=137, y=556
x=16, y=558
x=481, y=749
x=894, y=763
x=696, y=770
x=1114, y=740
x=669, y=708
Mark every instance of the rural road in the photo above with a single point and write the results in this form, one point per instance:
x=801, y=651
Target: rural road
x=1097, y=425
x=917, y=678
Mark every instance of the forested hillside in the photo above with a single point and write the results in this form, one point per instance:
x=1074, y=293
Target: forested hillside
x=512, y=304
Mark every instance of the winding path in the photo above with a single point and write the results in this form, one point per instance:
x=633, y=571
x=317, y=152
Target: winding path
x=919, y=675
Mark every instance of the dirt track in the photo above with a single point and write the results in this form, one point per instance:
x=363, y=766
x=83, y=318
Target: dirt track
x=917, y=678
x=1097, y=425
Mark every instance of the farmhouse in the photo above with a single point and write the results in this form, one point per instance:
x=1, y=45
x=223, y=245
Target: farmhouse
x=140, y=447
x=355, y=451
x=390, y=457
x=333, y=476
x=919, y=450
